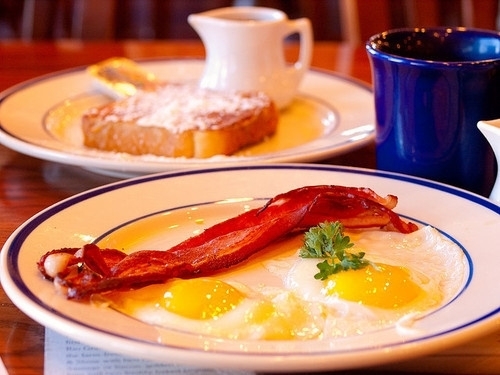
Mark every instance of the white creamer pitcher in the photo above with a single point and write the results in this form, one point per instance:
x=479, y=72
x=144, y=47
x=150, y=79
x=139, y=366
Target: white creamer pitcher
x=491, y=131
x=245, y=50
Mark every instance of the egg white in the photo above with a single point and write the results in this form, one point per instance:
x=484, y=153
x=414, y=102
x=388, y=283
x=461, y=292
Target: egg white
x=435, y=263
x=289, y=317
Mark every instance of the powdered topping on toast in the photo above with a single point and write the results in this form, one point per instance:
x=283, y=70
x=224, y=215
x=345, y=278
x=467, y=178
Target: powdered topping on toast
x=182, y=107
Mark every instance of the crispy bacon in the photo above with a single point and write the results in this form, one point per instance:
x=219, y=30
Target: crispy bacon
x=92, y=270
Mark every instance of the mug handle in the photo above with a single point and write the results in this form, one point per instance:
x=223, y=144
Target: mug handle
x=303, y=27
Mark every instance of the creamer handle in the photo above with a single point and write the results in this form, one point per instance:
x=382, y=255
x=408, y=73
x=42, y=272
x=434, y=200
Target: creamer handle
x=303, y=27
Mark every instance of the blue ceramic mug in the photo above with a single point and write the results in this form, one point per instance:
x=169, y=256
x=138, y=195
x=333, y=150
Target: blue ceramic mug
x=431, y=88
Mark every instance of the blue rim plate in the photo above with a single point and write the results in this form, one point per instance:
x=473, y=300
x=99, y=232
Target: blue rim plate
x=468, y=219
x=41, y=118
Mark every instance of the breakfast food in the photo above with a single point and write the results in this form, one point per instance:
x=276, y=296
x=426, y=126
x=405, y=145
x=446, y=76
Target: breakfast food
x=222, y=245
x=409, y=276
x=375, y=270
x=181, y=120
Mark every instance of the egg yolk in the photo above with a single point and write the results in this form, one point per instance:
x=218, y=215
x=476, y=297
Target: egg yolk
x=200, y=298
x=287, y=320
x=379, y=285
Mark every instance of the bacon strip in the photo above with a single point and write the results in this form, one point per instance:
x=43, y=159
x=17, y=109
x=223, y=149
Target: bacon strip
x=227, y=243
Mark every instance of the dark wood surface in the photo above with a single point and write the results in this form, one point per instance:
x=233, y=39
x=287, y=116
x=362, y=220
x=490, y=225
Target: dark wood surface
x=28, y=185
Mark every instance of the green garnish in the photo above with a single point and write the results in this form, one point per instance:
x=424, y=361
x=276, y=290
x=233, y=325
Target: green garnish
x=327, y=240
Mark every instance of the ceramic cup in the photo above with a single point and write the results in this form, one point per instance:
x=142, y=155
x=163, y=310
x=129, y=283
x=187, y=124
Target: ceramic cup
x=244, y=50
x=491, y=131
x=431, y=88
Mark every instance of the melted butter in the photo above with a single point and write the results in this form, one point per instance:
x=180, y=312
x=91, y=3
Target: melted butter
x=139, y=231
x=165, y=229
x=303, y=121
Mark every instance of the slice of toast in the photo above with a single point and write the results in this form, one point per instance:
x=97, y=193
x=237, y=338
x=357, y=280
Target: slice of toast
x=181, y=120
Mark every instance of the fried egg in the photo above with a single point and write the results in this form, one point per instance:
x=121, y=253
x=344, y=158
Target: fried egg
x=219, y=308
x=409, y=276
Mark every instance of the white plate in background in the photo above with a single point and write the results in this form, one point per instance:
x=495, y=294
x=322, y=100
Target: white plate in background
x=331, y=115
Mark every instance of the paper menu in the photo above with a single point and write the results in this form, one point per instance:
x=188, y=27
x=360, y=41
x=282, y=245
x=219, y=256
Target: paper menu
x=69, y=357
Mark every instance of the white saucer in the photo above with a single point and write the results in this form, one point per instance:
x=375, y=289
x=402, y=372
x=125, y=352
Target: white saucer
x=41, y=118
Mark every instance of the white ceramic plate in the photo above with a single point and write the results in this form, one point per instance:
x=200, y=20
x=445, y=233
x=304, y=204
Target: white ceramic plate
x=41, y=118
x=468, y=219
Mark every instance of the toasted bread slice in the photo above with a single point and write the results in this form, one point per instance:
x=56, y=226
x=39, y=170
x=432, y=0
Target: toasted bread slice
x=181, y=120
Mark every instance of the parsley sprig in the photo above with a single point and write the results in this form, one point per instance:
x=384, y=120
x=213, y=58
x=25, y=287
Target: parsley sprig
x=327, y=240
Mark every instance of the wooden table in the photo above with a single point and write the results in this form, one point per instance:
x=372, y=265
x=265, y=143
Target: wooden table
x=28, y=185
